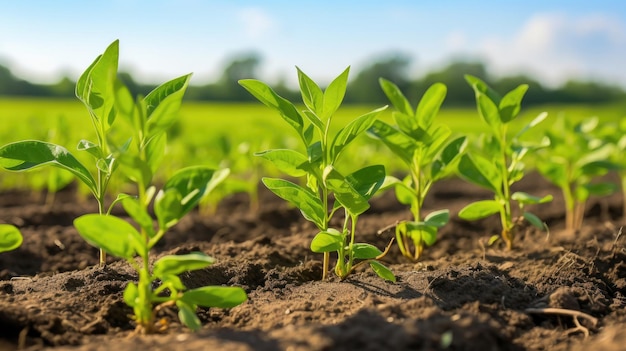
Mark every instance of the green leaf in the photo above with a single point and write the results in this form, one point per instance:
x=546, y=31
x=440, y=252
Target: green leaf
x=310, y=206
x=29, y=154
x=534, y=220
x=96, y=87
x=155, y=151
x=400, y=144
x=479, y=171
x=334, y=94
x=382, y=271
x=192, y=183
x=329, y=240
x=112, y=234
x=510, y=104
x=349, y=198
x=187, y=315
x=267, y=96
x=489, y=112
x=365, y=251
x=163, y=104
x=168, y=209
x=480, y=86
x=430, y=103
x=408, y=125
x=395, y=95
x=215, y=296
x=352, y=130
x=437, y=218
x=93, y=149
x=139, y=214
x=10, y=237
x=405, y=193
x=131, y=294
x=367, y=180
x=312, y=95
x=315, y=120
x=177, y=264
x=528, y=199
x=288, y=161
x=480, y=209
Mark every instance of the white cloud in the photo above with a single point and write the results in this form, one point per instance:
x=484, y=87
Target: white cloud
x=554, y=47
x=256, y=22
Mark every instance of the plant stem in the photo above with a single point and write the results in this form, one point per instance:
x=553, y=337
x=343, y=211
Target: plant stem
x=508, y=232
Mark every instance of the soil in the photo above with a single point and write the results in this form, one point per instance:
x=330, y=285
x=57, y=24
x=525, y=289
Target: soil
x=555, y=291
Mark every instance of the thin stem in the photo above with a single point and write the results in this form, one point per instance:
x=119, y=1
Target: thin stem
x=508, y=233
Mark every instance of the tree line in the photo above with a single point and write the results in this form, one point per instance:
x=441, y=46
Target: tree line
x=363, y=87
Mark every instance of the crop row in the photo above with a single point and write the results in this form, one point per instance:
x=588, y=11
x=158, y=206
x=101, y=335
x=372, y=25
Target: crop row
x=130, y=140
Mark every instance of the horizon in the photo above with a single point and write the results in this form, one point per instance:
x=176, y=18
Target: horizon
x=43, y=41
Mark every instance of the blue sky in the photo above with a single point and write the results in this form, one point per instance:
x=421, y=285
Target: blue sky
x=550, y=40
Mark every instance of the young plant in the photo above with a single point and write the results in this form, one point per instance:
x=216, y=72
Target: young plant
x=151, y=117
x=95, y=88
x=575, y=157
x=327, y=188
x=500, y=165
x=10, y=237
x=428, y=153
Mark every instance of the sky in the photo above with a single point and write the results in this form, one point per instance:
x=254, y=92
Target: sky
x=552, y=41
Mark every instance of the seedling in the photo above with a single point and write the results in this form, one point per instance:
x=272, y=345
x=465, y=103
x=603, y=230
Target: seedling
x=10, y=237
x=575, y=157
x=95, y=88
x=150, y=118
x=429, y=155
x=500, y=165
x=320, y=166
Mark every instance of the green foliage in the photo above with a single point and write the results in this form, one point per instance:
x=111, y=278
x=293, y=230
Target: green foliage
x=576, y=156
x=320, y=166
x=10, y=237
x=498, y=164
x=138, y=158
x=428, y=153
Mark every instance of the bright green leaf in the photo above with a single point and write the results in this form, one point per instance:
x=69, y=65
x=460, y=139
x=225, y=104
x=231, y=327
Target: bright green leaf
x=367, y=180
x=510, y=104
x=10, y=237
x=163, y=104
x=139, y=214
x=187, y=315
x=395, y=95
x=330, y=240
x=131, y=294
x=382, y=271
x=29, y=154
x=287, y=161
x=349, y=198
x=177, y=264
x=479, y=171
x=334, y=94
x=400, y=144
x=365, y=251
x=112, y=234
x=437, y=218
x=215, y=296
x=267, y=96
x=480, y=209
x=312, y=95
x=310, y=206
x=430, y=103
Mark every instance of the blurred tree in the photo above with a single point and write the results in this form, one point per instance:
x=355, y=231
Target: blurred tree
x=453, y=76
x=365, y=87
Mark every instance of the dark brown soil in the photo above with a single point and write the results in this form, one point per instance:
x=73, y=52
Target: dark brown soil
x=460, y=296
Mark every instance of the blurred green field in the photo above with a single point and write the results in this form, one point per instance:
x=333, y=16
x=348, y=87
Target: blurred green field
x=228, y=134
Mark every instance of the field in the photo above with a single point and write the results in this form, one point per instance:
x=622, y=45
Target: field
x=559, y=290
